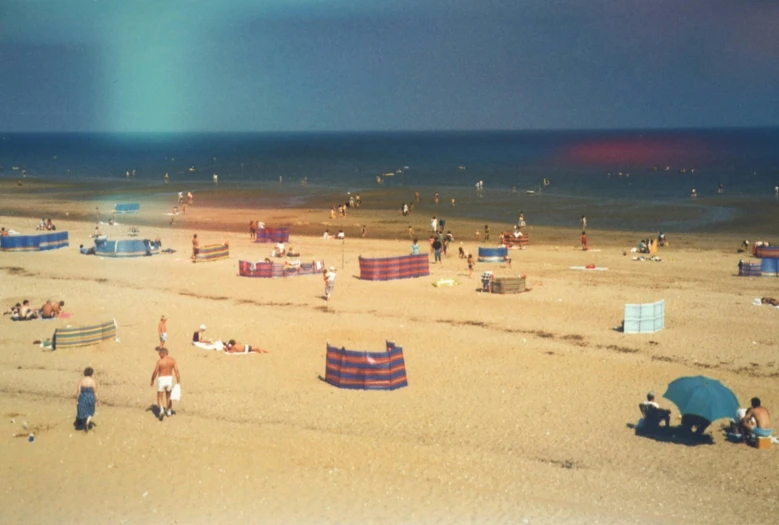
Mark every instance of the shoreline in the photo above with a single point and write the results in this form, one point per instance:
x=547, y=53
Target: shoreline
x=215, y=209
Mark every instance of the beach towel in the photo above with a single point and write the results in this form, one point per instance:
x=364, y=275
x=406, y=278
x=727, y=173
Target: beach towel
x=600, y=268
x=216, y=345
x=758, y=302
x=445, y=282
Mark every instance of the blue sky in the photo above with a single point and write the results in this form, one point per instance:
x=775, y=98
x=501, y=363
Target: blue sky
x=342, y=65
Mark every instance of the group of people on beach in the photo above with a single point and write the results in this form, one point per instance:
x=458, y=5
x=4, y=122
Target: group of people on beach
x=746, y=426
x=23, y=311
x=231, y=347
x=46, y=225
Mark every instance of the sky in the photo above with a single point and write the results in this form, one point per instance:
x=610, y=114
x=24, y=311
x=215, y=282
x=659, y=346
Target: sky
x=398, y=65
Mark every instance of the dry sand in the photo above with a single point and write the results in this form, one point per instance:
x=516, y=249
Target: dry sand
x=518, y=408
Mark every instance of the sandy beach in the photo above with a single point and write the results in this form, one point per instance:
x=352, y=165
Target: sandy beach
x=519, y=407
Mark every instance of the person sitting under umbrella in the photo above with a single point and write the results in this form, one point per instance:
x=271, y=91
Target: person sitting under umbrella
x=757, y=421
x=653, y=415
x=695, y=424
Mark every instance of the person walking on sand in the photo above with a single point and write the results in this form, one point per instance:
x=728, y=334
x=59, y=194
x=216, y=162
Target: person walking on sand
x=195, y=246
x=329, y=278
x=86, y=400
x=162, y=331
x=163, y=373
x=584, y=241
x=486, y=232
x=471, y=264
x=364, y=231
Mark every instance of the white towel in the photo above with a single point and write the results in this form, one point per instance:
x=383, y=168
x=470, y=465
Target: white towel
x=175, y=394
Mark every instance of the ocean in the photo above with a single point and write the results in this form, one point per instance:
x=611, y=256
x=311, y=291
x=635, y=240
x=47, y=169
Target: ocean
x=622, y=180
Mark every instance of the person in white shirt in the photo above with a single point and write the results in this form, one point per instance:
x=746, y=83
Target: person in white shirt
x=329, y=277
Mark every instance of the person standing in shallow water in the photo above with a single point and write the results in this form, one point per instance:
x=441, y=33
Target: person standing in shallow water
x=86, y=400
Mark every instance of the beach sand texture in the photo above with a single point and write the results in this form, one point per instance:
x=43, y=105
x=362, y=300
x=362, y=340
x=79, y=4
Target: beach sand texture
x=518, y=408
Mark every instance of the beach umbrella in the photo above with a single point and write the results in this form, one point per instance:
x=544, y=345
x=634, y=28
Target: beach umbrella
x=702, y=396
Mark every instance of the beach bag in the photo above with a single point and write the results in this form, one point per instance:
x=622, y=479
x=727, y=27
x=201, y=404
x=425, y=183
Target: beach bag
x=175, y=394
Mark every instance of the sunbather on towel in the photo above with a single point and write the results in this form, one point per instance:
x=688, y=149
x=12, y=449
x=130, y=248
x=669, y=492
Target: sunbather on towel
x=234, y=347
x=14, y=311
x=769, y=300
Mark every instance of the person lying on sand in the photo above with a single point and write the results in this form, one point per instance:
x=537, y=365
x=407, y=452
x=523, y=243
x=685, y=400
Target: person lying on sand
x=769, y=300
x=14, y=311
x=234, y=347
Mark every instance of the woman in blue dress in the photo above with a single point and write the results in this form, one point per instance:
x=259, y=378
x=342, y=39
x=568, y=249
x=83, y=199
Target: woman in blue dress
x=86, y=400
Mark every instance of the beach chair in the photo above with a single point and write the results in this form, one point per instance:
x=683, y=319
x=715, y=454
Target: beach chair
x=652, y=416
x=486, y=282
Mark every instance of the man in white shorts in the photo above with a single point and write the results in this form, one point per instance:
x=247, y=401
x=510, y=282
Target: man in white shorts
x=163, y=373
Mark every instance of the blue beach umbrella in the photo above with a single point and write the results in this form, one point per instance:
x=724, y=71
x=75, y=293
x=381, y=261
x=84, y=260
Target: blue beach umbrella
x=702, y=396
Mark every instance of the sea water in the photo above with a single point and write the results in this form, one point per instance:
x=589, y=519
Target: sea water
x=637, y=180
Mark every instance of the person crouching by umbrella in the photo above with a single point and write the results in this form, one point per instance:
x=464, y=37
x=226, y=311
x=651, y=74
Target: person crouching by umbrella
x=695, y=424
x=757, y=421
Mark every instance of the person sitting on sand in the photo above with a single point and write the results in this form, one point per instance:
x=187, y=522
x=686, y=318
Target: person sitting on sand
x=659, y=414
x=200, y=337
x=58, y=308
x=340, y=234
x=234, y=347
x=47, y=310
x=461, y=252
x=279, y=251
x=25, y=312
x=757, y=421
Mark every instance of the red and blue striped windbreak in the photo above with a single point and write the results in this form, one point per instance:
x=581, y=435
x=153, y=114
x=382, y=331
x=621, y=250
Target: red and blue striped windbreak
x=272, y=235
x=403, y=267
x=766, y=251
x=366, y=370
x=269, y=269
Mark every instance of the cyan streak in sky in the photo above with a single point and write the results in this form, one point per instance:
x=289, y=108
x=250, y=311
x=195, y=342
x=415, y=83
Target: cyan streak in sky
x=277, y=65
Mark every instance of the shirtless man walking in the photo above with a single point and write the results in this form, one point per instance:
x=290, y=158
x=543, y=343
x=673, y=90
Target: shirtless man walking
x=163, y=373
